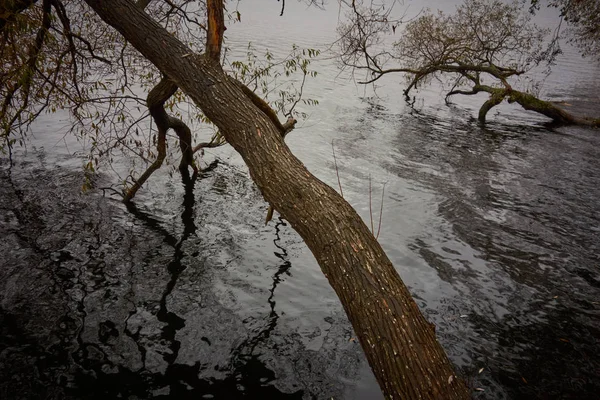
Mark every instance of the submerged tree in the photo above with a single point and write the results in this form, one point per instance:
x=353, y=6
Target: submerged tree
x=479, y=49
x=399, y=343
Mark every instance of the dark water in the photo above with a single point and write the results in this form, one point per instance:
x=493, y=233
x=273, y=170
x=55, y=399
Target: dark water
x=187, y=294
x=104, y=302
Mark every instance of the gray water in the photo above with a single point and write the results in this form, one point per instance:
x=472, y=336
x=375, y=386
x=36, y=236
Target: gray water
x=187, y=294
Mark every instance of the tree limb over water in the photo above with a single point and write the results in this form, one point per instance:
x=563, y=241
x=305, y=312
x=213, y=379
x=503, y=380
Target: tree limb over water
x=484, y=40
x=399, y=343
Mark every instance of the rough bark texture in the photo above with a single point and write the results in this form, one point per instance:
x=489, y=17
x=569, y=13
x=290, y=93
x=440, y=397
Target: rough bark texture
x=156, y=100
x=184, y=134
x=399, y=343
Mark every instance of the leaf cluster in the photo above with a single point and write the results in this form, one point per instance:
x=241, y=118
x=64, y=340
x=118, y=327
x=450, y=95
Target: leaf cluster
x=480, y=32
x=280, y=81
x=583, y=19
x=482, y=37
x=59, y=56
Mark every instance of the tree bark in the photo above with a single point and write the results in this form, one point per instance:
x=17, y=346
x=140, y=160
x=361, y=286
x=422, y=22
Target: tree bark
x=528, y=102
x=548, y=109
x=399, y=343
x=184, y=134
x=494, y=100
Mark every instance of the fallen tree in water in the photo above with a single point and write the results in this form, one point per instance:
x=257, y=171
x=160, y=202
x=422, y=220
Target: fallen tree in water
x=484, y=40
x=528, y=102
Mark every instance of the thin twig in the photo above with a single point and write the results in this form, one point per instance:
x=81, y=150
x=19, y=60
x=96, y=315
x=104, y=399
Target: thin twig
x=337, y=172
x=289, y=113
x=370, y=206
x=118, y=193
x=380, y=211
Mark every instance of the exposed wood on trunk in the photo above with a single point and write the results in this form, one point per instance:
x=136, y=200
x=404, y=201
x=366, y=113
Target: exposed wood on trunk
x=216, y=28
x=399, y=343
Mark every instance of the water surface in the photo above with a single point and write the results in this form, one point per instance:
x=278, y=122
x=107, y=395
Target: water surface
x=494, y=228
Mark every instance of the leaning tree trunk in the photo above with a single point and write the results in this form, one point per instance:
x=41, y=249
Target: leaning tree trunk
x=548, y=109
x=399, y=343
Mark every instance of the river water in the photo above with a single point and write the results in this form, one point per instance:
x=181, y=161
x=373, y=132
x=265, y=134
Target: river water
x=187, y=294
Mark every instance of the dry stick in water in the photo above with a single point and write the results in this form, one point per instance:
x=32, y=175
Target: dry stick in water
x=337, y=172
x=380, y=211
x=371, y=206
